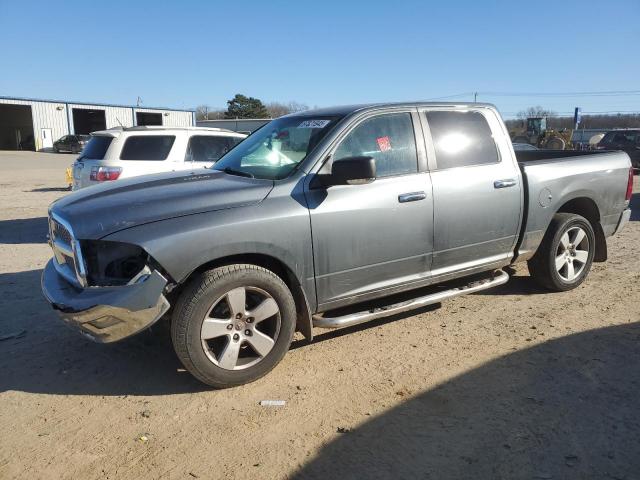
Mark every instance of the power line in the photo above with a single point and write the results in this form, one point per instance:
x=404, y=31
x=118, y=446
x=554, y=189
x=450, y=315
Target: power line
x=602, y=93
x=608, y=93
x=609, y=112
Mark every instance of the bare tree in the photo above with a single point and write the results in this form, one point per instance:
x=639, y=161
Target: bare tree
x=604, y=122
x=205, y=112
x=536, y=111
x=278, y=109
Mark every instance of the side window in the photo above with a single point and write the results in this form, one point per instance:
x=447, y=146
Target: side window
x=389, y=139
x=147, y=147
x=208, y=148
x=461, y=139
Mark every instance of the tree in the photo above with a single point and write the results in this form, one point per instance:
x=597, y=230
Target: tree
x=205, y=112
x=536, y=111
x=241, y=106
x=278, y=109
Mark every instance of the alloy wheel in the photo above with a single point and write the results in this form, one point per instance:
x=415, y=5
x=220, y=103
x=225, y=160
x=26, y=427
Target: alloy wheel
x=240, y=328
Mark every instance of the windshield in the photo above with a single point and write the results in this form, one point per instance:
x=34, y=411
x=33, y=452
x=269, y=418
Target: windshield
x=276, y=150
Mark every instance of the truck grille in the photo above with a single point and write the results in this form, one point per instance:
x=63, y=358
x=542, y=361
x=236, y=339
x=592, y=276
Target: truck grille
x=66, y=250
x=58, y=231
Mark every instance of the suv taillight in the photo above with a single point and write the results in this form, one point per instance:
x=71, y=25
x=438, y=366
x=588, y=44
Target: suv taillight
x=629, y=185
x=103, y=174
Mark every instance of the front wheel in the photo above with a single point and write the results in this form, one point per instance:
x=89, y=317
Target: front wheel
x=233, y=324
x=564, y=257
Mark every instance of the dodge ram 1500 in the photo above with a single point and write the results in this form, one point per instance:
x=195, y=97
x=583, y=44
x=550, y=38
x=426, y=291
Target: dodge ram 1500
x=327, y=218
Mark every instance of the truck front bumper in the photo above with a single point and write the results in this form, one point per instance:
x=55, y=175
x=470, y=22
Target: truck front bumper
x=106, y=314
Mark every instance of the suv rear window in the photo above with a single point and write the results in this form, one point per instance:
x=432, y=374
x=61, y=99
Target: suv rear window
x=147, y=147
x=97, y=147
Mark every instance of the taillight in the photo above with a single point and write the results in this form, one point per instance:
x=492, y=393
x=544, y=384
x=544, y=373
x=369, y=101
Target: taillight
x=103, y=174
x=629, y=185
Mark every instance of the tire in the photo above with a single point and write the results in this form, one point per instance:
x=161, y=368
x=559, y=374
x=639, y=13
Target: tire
x=209, y=328
x=555, y=143
x=561, y=264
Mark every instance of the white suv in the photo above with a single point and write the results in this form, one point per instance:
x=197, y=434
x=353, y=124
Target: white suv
x=129, y=152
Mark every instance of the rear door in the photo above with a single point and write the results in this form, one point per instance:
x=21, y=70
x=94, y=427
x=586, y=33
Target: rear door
x=476, y=189
x=205, y=150
x=149, y=153
x=374, y=237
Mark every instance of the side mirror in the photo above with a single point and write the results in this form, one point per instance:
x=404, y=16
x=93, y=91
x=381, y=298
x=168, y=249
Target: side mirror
x=353, y=171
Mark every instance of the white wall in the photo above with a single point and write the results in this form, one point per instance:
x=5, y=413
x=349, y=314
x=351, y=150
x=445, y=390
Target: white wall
x=45, y=115
x=55, y=116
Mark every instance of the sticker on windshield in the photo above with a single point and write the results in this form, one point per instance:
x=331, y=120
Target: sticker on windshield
x=314, y=124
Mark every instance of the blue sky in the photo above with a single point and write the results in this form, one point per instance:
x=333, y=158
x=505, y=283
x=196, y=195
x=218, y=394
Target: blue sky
x=182, y=54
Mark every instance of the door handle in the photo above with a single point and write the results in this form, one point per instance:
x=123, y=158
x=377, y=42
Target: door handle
x=411, y=197
x=509, y=182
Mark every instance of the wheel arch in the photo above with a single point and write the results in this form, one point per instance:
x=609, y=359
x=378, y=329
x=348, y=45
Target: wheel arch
x=587, y=208
x=275, y=265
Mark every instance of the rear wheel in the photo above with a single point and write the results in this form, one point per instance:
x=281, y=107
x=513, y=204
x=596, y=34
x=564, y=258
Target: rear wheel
x=555, y=143
x=564, y=257
x=233, y=324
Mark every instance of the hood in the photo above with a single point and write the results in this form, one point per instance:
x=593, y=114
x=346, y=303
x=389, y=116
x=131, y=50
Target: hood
x=101, y=210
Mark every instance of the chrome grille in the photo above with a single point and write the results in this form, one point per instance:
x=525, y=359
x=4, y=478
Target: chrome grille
x=66, y=250
x=59, y=232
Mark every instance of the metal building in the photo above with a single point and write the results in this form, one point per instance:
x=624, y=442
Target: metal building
x=32, y=124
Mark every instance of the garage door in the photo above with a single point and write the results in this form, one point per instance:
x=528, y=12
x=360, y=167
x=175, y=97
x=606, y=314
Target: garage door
x=16, y=127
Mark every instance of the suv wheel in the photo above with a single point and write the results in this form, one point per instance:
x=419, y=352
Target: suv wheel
x=233, y=324
x=564, y=257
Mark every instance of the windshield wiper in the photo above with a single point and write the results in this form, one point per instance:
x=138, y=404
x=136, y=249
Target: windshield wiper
x=231, y=171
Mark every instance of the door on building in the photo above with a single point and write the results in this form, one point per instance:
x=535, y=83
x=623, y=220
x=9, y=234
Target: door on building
x=46, y=137
x=16, y=127
x=87, y=120
x=147, y=118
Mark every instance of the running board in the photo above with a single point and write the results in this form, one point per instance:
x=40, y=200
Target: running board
x=497, y=278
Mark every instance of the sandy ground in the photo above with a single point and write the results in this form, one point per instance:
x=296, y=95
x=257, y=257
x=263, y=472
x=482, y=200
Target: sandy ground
x=509, y=383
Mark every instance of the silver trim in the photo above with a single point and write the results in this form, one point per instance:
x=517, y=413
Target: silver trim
x=61, y=249
x=499, y=278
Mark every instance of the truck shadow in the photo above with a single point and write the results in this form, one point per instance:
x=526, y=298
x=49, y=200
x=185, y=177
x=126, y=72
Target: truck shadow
x=24, y=230
x=38, y=353
x=566, y=408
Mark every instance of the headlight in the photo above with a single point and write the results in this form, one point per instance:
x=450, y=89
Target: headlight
x=112, y=263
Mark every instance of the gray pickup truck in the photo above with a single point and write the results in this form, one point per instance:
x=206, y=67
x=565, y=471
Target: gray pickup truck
x=327, y=218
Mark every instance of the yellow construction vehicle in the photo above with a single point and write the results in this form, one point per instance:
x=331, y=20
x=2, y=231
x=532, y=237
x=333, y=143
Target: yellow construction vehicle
x=534, y=131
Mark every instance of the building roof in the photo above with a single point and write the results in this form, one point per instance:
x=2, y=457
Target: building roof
x=96, y=104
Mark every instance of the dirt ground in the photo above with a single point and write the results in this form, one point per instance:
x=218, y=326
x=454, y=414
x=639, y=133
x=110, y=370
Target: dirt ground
x=509, y=383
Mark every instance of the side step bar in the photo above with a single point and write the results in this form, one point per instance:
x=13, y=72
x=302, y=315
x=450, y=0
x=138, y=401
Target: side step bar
x=498, y=278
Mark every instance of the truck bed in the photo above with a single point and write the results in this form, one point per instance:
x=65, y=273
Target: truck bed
x=554, y=180
x=551, y=156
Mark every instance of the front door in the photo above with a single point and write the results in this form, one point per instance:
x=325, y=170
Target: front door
x=374, y=237
x=47, y=140
x=476, y=190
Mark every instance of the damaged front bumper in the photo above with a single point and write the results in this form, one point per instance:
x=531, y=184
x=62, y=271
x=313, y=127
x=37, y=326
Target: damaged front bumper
x=107, y=314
